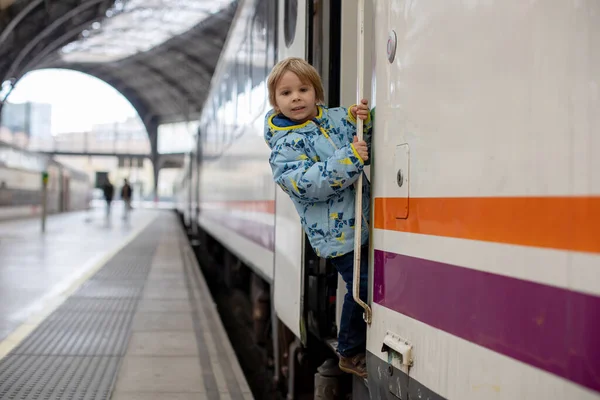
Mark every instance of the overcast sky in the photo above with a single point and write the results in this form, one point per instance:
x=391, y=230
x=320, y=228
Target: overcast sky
x=78, y=100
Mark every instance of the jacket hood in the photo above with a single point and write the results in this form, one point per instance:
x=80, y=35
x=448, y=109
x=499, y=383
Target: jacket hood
x=278, y=125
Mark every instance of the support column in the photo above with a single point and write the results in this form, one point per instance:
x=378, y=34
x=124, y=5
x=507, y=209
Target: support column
x=156, y=170
x=152, y=128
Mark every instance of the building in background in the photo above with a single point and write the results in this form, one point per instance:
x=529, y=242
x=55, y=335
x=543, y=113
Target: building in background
x=5, y=135
x=131, y=128
x=124, y=137
x=128, y=136
x=26, y=121
x=29, y=126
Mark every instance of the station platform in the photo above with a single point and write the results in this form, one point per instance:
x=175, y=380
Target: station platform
x=92, y=310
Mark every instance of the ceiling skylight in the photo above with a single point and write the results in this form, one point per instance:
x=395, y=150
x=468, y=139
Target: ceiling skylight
x=134, y=26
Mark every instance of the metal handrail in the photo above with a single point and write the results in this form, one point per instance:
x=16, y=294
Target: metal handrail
x=358, y=201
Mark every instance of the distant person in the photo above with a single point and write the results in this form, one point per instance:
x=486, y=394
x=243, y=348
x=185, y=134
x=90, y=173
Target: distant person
x=88, y=205
x=4, y=194
x=126, y=197
x=109, y=191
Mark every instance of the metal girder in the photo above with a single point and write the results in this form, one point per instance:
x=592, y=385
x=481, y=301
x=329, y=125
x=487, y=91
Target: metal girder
x=168, y=83
x=214, y=36
x=166, y=164
x=173, y=87
x=49, y=29
x=93, y=153
x=5, y=4
x=205, y=69
x=17, y=20
x=54, y=46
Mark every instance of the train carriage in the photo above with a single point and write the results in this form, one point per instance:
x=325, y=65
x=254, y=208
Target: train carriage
x=485, y=238
x=21, y=184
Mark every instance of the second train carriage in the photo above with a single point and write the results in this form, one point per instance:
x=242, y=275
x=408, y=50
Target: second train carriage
x=21, y=184
x=485, y=238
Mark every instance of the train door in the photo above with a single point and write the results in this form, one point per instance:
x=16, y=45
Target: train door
x=60, y=191
x=313, y=29
x=323, y=52
x=190, y=189
x=63, y=191
x=54, y=196
x=196, y=183
x=66, y=189
x=289, y=235
x=347, y=94
x=188, y=167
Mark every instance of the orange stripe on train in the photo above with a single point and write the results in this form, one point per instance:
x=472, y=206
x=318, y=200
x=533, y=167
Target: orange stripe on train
x=266, y=206
x=567, y=223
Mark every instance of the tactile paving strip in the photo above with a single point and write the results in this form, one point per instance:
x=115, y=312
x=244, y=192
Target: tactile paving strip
x=100, y=288
x=92, y=305
x=79, y=334
x=57, y=377
x=75, y=353
x=128, y=268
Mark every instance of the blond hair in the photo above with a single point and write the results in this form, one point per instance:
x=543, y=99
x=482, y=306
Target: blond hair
x=306, y=73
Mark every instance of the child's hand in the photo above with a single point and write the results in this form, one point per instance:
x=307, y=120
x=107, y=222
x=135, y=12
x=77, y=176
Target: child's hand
x=361, y=148
x=361, y=110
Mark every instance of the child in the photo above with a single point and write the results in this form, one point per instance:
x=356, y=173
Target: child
x=316, y=159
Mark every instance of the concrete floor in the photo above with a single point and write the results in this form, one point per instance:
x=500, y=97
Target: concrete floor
x=37, y=269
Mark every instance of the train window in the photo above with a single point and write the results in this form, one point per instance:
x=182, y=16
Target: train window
x=199, y=138
x=258, y=47
x=218, y=120
x=289, y=21
x=203, y=123
x=243, y=102
x=236, y=91
x=271, y=36
x=210, y=146
x=259, y=56
x=230, y=94
x=224, y=109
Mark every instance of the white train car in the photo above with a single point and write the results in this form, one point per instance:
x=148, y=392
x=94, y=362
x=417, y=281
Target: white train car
x=236, y=190
x=185, y=193
x=487, y=257
x=485, y=233
x=21, y=184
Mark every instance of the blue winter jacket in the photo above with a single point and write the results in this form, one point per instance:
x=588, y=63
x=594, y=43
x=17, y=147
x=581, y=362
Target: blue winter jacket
x=316, y=165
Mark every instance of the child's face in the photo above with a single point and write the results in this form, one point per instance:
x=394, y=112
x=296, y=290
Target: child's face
x=295, y=99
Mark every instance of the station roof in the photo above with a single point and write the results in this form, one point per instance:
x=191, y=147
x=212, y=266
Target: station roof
x=160, y=54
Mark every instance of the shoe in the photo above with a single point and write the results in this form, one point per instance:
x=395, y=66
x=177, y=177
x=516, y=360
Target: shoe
x=356, y=365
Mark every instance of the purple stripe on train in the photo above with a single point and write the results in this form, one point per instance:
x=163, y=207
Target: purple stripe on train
x=257, y=232
x=553, y=329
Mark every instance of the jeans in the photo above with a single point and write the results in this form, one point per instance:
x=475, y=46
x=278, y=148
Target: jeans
x=126, y=209
x=108, y=209
x=352, y=338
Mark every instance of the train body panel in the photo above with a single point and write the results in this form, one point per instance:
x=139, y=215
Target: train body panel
x=485, y=188
x=21, y=185
x=485, y=258
x=185, y=189
x=288, y=293
x=243, y=205
x=236, y=192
